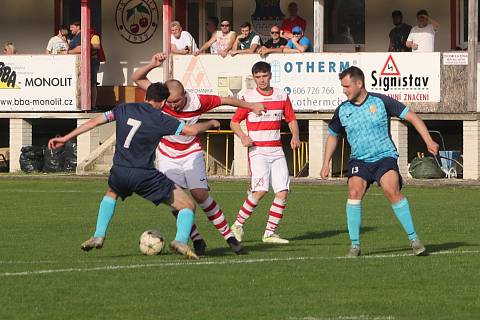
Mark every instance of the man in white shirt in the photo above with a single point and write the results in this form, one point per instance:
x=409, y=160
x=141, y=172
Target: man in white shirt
x=422, y=36
x=58, y=44
x=182, y=41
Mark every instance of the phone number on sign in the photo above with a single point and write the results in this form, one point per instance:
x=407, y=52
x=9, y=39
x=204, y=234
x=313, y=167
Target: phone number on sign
x=309, y=90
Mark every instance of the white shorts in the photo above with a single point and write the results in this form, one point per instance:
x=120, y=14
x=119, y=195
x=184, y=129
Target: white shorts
x=266, y=168
x=187, y=172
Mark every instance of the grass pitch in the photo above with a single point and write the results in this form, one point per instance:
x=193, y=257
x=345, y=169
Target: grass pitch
x=45, y=275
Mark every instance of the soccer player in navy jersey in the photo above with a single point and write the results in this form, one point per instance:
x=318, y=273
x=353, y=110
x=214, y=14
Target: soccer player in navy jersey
x=365, y=119
x=139, y=127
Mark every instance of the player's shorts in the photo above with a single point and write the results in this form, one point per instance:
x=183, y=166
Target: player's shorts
x=147, y=183
x=188, y=172
x=373, y=171
x=266, y=168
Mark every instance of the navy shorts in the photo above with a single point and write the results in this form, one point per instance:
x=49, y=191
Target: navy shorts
x=373, y=171
x=147, y=183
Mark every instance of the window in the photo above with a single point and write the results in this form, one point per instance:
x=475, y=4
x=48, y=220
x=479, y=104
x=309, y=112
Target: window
x=345, y=21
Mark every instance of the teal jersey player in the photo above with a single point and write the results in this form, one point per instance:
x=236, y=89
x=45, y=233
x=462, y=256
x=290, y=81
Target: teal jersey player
x=365, y=120
x=367, y=126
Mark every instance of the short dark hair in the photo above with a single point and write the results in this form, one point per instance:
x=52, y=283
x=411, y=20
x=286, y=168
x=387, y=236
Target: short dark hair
x=422, y=12
x=214, y=20
x=354, y=72
x=261, y=66
x=396, y=13
x=157, y=92
x=246, y=24
x=76, y=23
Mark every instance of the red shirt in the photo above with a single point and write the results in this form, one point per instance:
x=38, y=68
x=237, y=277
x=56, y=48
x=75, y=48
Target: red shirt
x=287, y=24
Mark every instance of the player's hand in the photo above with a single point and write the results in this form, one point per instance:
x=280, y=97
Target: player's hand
x=56, y=142
x=158, y=59
x=433, y=147
x=258, y=108
x=295, y=142
x=325, y=172
x=214, y=124
x=247, y=141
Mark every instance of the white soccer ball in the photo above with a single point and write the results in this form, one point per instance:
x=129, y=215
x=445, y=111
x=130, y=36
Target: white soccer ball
x=151, y=242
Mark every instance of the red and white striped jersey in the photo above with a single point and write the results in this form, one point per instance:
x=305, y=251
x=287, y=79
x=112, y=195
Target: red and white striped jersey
x=264, y=130
x=181, y=146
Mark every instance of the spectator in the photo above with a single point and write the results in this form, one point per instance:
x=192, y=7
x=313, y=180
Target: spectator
x=58, y=44
x=247, y=42
x=212, y=26
x=182, y=41
x=422, y=36
x=221, y=41
x=344, y=35
x=96, y=50
x=399, y=34
x=292, y=21
x=9, y=48
x=274, y=44
x=299, y=43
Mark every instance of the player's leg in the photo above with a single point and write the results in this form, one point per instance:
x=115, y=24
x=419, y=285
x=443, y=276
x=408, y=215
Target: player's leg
x=105, y=213
x=185, y=206
x=174, y=170
x=359, y=178
x=260, y=170
x=390, y=181
x=281, y=186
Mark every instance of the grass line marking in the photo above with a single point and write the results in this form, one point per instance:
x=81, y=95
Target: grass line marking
x=219, y=262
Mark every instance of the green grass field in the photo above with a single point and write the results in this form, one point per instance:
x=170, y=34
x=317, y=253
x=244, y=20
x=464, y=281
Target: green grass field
x=45, y=275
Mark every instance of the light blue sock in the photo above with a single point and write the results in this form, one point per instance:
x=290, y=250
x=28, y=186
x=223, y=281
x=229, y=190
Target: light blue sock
x=354, y=220
x=402, y=211
x=105, y=213
x=184, y=225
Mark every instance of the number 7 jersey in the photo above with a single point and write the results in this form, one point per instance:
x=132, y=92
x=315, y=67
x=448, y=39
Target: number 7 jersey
x=139, y=127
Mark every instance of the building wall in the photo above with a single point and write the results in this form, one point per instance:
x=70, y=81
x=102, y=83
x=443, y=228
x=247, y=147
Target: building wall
x=29, y=30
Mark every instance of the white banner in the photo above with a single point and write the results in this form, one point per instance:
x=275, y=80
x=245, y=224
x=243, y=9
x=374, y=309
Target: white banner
x=404, y=76
x=312, y=80
x=39, y=83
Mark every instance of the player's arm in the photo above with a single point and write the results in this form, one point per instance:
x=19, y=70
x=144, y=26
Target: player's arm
x=330, y=147
x=295, y=142
x=201, y=127
x=58, y=142
x=421, y=128
x=237, y=130
x=256, y=107
x=139, y=76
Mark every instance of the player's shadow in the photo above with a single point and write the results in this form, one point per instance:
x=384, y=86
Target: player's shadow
x=431, y=248
x=328, y=233
x=251, y=246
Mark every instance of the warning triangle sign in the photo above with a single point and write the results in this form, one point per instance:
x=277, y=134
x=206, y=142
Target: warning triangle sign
x=390, y=68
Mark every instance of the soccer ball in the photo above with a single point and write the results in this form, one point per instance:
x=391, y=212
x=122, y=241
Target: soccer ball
x=151, y=242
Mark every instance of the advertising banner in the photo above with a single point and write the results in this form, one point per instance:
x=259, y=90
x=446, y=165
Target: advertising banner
x=311, y=80
x=39, y=83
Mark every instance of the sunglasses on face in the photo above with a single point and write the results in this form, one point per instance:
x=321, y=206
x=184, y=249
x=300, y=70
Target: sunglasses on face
x=296, y=34
x=275, y=32
x=225, y=25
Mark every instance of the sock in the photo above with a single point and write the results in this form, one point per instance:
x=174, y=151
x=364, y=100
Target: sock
x=246, y=210
x=105, y=213
x=215, y=215
x=194, y=234
x=354, y=220
x=402, y=211
x=274, y=216
x=184, y=225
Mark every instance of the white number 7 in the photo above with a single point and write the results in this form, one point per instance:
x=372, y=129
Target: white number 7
x=135, y=125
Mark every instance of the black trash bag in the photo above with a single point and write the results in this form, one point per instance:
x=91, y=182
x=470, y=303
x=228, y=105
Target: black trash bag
x=54, y=159
x=31, y=159
x=70, y=156
x=425, y=168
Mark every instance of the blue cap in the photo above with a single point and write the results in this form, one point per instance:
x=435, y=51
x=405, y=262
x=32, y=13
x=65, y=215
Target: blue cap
x=297, y=29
